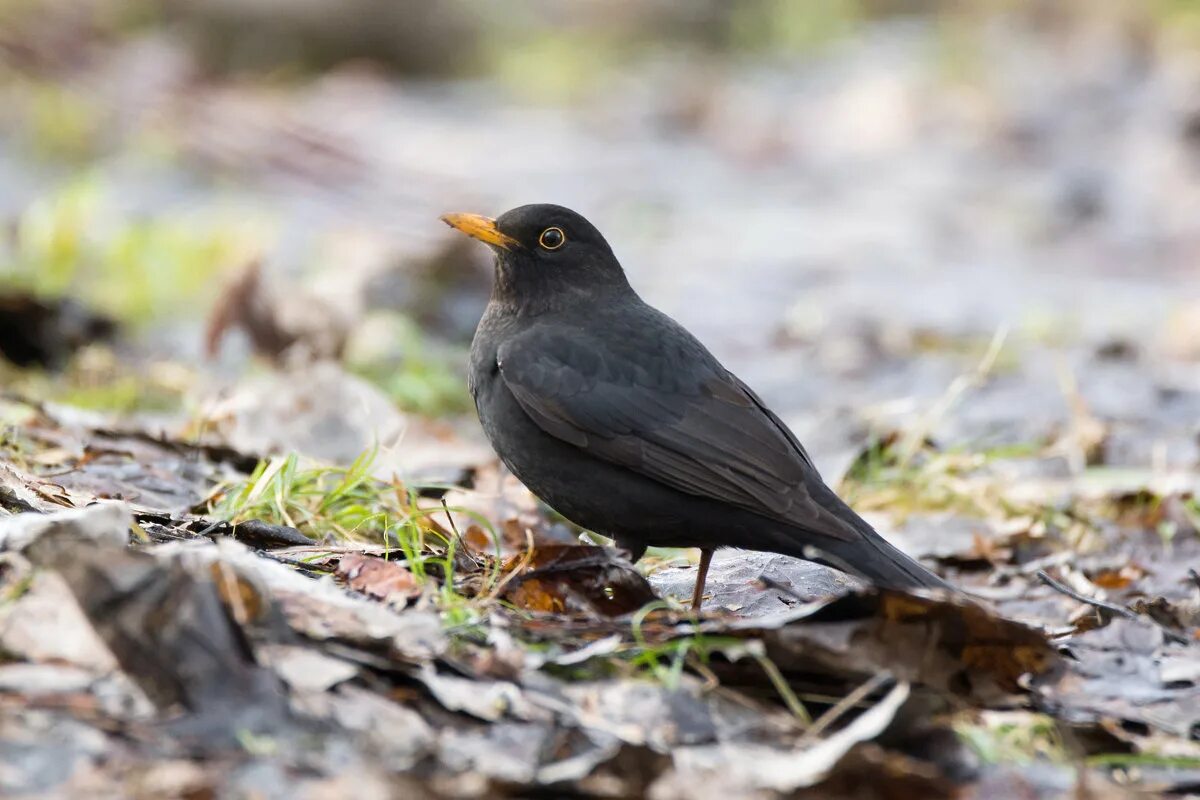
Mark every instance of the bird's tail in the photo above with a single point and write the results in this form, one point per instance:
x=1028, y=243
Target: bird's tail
x=886, y=565
x=866, y=553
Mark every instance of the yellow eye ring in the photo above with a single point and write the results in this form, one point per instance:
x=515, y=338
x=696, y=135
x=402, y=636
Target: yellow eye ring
x=552, y=238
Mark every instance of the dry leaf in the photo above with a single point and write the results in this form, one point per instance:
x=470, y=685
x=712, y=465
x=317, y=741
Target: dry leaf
x=379, y=578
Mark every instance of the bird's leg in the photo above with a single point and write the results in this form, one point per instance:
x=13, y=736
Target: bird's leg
x=698, y=594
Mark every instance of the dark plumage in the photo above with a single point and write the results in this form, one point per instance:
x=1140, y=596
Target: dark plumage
x=619, y=419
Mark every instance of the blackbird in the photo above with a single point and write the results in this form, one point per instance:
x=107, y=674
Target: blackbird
x=621, y=420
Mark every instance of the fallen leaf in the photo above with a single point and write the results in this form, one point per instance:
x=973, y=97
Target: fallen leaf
x=378, y=578
x=576, y=579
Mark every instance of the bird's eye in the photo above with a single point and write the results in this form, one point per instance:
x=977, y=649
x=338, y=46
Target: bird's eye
x=552, y=238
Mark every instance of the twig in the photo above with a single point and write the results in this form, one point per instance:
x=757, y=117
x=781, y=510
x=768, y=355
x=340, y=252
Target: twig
x=1062, y=588
x=840, y=708
x=208, y=529
x=1112, y=608
x=454, y=528
x=333, y=549
x=295, y=562
x=526, y=560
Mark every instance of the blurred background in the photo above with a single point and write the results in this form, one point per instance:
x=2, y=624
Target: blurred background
x=979, y=221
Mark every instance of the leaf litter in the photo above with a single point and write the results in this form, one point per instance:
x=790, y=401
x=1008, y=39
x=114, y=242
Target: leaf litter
x=432, y=634
x=315, y=621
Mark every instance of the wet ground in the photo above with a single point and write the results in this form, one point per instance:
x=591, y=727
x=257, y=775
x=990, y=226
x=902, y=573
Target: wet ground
x=848, y=231
x=961, y=260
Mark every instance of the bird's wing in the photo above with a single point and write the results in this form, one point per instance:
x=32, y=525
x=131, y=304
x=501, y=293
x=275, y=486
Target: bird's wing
x=662, y=406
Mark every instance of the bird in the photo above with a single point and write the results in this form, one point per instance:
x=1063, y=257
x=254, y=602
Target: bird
x=620, y=420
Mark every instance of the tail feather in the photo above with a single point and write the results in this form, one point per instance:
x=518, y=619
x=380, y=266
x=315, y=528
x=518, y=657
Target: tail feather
x=864, y=552
x=886, y=565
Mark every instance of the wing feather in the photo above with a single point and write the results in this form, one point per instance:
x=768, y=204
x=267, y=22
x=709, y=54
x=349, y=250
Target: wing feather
x=676, y=416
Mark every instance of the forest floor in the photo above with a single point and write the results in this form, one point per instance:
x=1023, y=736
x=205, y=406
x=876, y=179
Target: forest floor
x=253, y=544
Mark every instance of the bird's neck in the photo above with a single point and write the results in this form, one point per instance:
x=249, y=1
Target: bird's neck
x=534, y=295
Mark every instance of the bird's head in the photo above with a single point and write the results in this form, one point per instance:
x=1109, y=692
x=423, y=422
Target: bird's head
x=546, y=256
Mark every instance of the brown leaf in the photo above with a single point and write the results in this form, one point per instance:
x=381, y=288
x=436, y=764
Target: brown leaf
x=983, y=641
x=532, y=595
x=379, y=578
x=478, y=539
x=243, y=600
x=512, y=512
x=576, y=579
x=276, y=323
x=870, y=771
x=1121, y=578
x=950, y=644
x=243, y=304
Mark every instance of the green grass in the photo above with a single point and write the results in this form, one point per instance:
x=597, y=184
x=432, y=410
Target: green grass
x=341, y=505
x=1116, y=760
x=1191, y=507
x=962, y=482
x=145, y=271
x=666, y=661
x=16, y=589
x=136, y=270
x=927, y=480
x=1023, y=737
x=1017, y=737
x=97, y=380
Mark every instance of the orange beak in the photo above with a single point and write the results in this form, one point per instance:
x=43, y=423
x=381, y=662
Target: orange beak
x=479, y=227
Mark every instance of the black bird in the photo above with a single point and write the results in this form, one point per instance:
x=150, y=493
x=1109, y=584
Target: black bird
x=619, y=419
